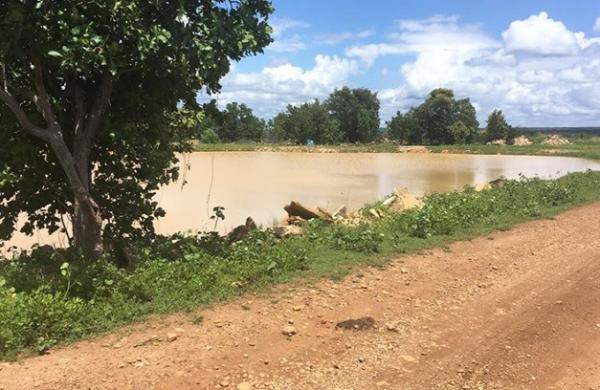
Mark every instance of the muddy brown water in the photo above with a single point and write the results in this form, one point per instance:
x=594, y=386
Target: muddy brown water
x=259, y=184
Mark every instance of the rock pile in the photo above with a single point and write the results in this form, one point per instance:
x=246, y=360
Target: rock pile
x=521, y=141
x=298, y=214
x=555, y=140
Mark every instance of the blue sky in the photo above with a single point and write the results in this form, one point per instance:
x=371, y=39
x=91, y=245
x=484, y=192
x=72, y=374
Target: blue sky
x=539, y=61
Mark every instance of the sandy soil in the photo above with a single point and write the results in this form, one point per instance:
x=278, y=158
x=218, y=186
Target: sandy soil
x=514, y=310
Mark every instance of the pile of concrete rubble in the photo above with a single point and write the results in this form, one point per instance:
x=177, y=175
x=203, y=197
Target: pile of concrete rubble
x=298, y=214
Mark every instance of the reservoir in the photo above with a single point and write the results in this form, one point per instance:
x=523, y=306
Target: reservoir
x=259, y=184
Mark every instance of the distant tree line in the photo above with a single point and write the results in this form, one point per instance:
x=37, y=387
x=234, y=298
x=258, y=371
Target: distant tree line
x=347, y=115
x=352, y=115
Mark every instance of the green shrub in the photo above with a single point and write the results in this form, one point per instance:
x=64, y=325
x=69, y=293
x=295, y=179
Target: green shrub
x=361, y=238
x=48, y=297
x=209, y=136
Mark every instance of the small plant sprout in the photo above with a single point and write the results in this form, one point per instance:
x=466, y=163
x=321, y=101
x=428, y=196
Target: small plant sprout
x=218, y=213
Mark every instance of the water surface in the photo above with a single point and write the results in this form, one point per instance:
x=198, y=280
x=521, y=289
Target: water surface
x=259, y=184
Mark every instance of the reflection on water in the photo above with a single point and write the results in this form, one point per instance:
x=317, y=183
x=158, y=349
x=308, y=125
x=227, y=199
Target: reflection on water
x=259, y=184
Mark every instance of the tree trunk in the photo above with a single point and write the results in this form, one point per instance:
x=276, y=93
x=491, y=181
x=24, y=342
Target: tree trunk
x=87, y=229
x=87, y=222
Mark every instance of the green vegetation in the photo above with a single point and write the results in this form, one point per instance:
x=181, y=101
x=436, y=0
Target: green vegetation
x=583, y=146
x=209, y=136
x=109, y=87
x=50, y=297
x=308, y=121
x=375, y=147
x=236, y=123
x=440, y=119
x=498, y=129
x=352, y=116
x=348, y=115
x=357, y=112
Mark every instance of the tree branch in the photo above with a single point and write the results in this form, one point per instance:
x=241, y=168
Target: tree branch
x=22, y=92
x=79, y=98
x=100, y=105
x=22, y=117
x=85, y=136
x=3, y=79
x=42, y=95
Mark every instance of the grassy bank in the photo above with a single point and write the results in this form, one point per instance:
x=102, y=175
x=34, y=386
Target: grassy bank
x=583, y=146
x=48, y=299
x=580, y=146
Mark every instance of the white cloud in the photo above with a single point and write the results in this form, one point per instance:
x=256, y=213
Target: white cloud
x=272, y=89
x=539, y=72
x=283, y=43
x=287, y=45
x=438, y=34
x=597, y=24
x=336, y=38
x=284, y=24
x=540, y=34
x=369, y=53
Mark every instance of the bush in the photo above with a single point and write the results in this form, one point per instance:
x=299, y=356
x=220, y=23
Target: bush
x=443, y=214
x=362, y=238
x=209, y=136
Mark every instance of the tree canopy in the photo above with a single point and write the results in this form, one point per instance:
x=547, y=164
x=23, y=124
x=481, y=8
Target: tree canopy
x=97, y=86
x=440, y=119
x=498, y=129
x=357, y=112
x=308, y=121
x=348, y=115
x=236, y=123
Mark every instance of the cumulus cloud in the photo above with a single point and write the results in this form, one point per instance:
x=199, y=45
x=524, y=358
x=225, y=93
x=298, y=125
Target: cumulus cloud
x=439, y=34
x=540, y=34
x=272, y=89
x=539, y=72
x=597, y=24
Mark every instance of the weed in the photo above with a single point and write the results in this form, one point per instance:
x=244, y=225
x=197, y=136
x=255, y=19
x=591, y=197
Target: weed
x=50, y=297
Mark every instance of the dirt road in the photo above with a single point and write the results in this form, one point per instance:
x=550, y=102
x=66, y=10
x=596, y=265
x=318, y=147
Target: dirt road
x=514, y=310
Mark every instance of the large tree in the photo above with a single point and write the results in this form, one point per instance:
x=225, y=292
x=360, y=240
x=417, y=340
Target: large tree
x=497, y=128
x=405, y=128
x=240, y=124
x=308, y=121
x=357, y=112
x=440, y=119
x=89, y=95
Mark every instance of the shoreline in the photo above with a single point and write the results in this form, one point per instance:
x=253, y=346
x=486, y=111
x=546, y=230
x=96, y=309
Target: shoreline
x=579, y=149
